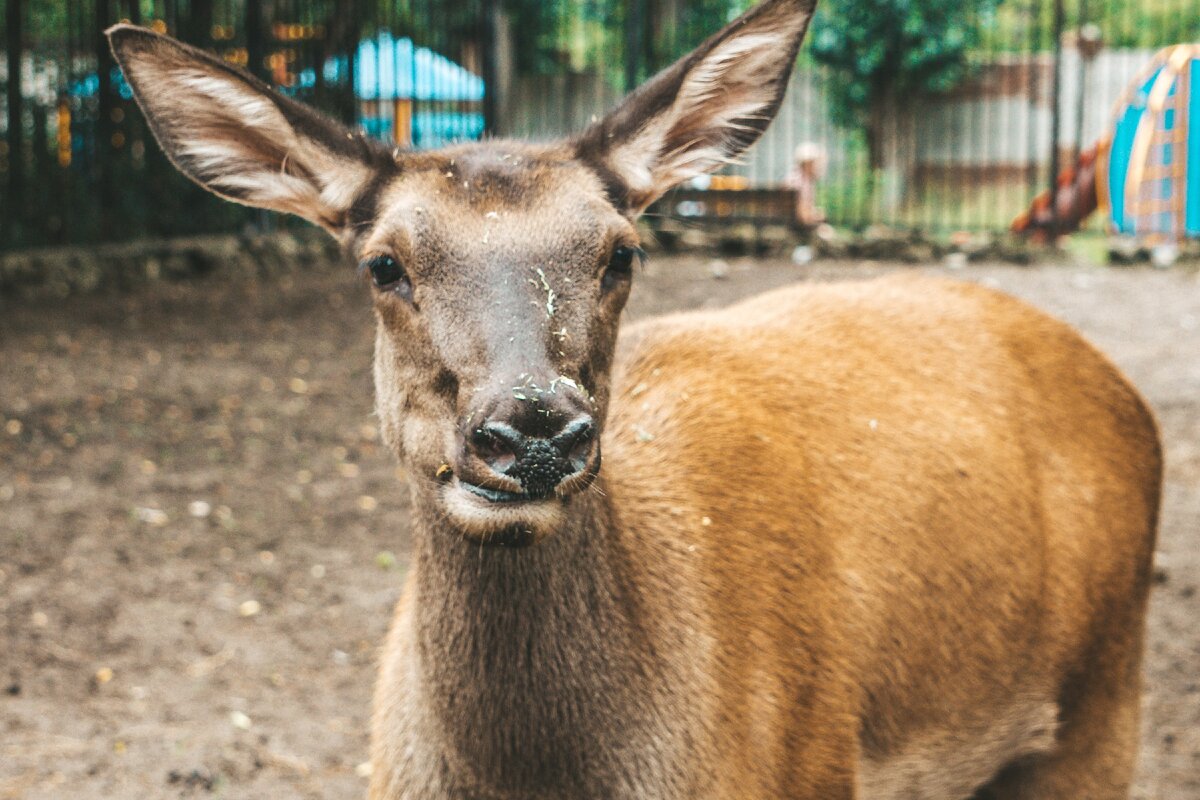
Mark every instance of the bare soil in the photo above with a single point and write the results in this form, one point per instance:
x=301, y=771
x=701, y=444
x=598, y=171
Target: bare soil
x=201, y=539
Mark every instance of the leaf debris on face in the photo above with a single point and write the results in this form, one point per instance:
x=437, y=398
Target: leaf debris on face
x=549, y=293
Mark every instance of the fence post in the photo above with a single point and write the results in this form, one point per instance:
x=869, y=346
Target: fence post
x=255, y=46
x=635, y=11
x=491, y=65
x=13, y=138
x=1056, y=116
x=1085, y=43
x=349, y=97
x=105, y=152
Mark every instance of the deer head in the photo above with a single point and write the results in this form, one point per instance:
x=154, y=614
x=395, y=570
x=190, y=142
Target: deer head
x=498, y=270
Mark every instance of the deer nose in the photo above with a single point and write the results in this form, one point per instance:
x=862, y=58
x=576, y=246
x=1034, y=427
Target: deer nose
x=539, y=463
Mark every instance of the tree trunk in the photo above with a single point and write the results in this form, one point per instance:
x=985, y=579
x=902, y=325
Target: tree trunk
x=891, y=141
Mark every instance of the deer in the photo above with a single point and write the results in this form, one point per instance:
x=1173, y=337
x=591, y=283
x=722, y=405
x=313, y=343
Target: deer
x=882, y=539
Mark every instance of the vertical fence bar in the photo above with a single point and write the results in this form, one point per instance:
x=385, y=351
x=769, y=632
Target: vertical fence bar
x=255, y=46
x=16, y=160
x=1056, y=114
x=491, y=64
x=1081, y=49
x=103, y=163
x=634, y=12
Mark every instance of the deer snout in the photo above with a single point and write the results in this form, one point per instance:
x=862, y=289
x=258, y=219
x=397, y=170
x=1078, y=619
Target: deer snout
x=540, y=461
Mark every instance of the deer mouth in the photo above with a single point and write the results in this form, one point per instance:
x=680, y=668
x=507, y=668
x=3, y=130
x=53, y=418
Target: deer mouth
x=569, y=485
x=503, y=511
x=499, y=496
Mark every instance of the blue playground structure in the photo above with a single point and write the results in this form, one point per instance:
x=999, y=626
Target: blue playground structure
x=1149, y=184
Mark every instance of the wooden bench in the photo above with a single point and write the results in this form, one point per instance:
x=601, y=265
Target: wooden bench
x=736, y=218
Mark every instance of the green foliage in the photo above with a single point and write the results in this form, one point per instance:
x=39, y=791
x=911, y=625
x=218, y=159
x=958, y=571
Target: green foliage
x=552, y=36
x=1022, y=25
x=886, y=49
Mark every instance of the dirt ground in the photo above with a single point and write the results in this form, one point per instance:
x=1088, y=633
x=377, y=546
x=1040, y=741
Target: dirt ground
x=201, y=540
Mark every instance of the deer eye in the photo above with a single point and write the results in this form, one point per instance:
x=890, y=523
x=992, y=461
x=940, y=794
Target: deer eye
x=620, y=267
x=388, y=275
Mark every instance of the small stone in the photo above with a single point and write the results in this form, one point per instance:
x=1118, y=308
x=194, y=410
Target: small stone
x=367, y=503
x=317, y=571
x=363, y=770
x=956, y=261
x=249, y=608
x=151, y=516
x=240, y=721
x=103, y=675
x=199, y=509
x=802, y=254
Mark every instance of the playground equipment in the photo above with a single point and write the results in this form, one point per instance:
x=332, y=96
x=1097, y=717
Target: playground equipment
x=1145, y=172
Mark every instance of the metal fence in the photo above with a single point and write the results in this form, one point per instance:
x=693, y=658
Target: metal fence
x=77, y=163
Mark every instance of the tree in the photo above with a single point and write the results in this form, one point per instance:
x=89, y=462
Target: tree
x=884, y=53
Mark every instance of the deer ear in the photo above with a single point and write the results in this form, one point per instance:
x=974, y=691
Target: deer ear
x=701, y=112
x=238, y=138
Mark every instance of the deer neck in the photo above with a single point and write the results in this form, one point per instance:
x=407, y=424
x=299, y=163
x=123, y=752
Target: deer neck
x=526, y=655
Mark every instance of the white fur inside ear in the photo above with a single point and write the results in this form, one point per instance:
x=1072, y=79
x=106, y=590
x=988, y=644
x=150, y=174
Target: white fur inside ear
x=233, y=138
x=235, y=99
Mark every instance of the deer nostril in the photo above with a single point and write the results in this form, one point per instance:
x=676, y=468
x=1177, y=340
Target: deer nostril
x=575, y=441
x=498, y=445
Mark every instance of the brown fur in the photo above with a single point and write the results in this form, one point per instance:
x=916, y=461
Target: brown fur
x=882, y=540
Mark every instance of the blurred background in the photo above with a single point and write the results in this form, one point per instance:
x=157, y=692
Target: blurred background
x=940, y=116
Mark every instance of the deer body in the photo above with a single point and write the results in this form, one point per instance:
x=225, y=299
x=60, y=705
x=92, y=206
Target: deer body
x=887, y=540
x=879, y=554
